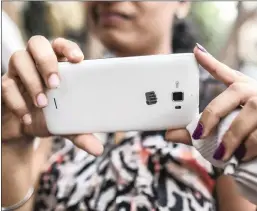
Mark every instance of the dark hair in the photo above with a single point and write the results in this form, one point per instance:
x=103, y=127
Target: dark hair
x=35, y=19
x=184, y=36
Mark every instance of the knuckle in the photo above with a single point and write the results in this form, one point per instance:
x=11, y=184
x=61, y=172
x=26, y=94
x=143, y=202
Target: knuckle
x=236, y=87
x=45, y=59
x=211, y=112
x=253, y=138
x=19, y=109
x=58, y=41
x=17, y=58
x=64, y=44
x=252, y=103
x=35, y=39
x=7, y=84
x=46, y=55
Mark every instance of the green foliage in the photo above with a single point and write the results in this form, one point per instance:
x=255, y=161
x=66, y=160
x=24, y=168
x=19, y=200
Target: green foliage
x=211, y=28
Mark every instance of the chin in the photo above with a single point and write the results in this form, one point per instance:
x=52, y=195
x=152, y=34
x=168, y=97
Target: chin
x=121, y=44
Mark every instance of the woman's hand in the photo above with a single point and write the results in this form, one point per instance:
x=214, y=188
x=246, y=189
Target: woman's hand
x=30, y=73
x=241, y=138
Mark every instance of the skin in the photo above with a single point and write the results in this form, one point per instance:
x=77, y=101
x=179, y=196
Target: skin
x=31, y=72
x=131, y=36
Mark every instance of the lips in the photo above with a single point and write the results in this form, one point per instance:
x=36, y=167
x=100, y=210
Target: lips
x=109, y=15
x=114, y=14
x=112, y=19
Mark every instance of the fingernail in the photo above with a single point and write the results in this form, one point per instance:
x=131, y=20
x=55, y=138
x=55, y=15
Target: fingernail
x=53, y=81
x=41, y=100
x=76, y=54
x=220, y=151
x=201, y=48
x=27, y=119
x=198, y=132
x=240, y=152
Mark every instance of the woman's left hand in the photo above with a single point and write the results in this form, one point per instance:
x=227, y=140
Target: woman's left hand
x=241, y=138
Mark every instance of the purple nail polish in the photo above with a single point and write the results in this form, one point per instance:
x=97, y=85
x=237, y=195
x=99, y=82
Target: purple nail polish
x=220, y=151
x=201, y=48
x=240, y=152
x=198, y=132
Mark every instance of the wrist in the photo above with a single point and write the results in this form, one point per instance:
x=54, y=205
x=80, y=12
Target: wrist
x=17, y=156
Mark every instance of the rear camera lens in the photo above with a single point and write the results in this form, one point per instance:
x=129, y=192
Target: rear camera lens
x=178, y=96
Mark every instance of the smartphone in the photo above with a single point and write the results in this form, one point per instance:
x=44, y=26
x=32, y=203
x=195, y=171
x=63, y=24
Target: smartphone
x=141, y=93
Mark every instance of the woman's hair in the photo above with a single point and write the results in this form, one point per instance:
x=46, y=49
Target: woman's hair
x=58, y=19
x=35, y=19
x=184, y=36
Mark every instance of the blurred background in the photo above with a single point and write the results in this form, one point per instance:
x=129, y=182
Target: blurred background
x=227, y=29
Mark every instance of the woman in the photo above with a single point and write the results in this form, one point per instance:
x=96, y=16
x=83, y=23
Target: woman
x=142, y=171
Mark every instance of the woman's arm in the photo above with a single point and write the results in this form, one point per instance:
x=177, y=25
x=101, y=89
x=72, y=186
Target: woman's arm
x=30, y=72
x=240, y=138
x=21, y=167
x=229, y=198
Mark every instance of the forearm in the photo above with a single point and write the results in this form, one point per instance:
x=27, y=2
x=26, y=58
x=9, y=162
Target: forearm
x=17, y=158
x=229, y=198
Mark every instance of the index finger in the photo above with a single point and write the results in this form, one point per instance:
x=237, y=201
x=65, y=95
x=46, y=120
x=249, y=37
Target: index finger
x=218, y=70
x=64, y=48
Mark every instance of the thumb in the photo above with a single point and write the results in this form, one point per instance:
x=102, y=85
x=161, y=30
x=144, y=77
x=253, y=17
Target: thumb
x=88, y=143
x=178, y=136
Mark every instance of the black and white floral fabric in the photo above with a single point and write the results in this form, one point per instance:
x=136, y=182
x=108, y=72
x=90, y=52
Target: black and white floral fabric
x=142, y=173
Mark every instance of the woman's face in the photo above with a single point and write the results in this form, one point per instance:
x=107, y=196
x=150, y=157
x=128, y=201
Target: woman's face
x=132, y=26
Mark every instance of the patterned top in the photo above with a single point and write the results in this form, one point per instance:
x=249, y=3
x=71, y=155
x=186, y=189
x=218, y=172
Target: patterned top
x=143, y=172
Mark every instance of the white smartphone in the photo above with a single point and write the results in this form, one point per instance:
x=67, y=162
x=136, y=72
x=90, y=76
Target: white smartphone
x=124, y=94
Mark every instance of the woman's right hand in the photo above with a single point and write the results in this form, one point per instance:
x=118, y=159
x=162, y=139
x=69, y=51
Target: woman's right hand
x=30, y=73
